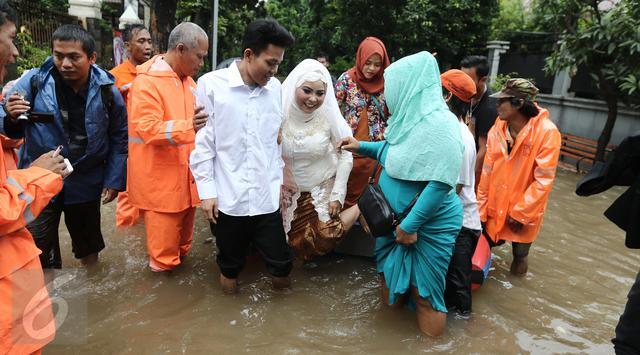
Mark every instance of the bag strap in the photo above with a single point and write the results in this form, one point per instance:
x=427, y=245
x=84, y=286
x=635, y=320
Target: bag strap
x=377, y=103
x=34, y=83
x=375, y=170
x=106, y=94
x=407, y=209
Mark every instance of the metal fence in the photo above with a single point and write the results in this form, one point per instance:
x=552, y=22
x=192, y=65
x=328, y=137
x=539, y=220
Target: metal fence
x=39, y=20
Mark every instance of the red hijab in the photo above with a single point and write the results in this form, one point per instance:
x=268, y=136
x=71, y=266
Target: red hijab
x=368, y=47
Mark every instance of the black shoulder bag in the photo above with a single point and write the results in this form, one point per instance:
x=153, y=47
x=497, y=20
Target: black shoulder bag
x=375, y=208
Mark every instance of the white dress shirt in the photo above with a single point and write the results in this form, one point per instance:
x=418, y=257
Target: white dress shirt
x=470, y=216
x=237, y=158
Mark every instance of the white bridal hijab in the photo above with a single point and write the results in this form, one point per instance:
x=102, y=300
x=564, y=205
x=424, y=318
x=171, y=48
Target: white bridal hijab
x=310, y=70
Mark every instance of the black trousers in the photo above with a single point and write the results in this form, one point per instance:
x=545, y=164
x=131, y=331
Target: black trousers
x=83, y=223
x=627, y=340
x=236, y=234
x=458, y=288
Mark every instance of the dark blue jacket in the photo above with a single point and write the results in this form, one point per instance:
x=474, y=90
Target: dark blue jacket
x=104, y=163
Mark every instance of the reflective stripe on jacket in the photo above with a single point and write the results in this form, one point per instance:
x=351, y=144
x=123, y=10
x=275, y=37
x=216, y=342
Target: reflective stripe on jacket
x=23, y=194
x=161, y=137
x=518, y=184
x=124, y=74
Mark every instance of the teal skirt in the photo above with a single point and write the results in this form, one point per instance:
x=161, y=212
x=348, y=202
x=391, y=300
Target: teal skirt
x=423, y=264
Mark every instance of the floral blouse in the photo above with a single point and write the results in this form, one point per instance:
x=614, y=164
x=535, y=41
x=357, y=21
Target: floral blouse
x=352, y=100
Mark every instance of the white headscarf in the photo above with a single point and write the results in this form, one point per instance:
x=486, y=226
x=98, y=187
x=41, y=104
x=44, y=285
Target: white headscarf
x=310, y=70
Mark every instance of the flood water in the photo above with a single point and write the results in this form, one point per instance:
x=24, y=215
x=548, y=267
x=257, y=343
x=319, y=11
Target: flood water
x=579, y=276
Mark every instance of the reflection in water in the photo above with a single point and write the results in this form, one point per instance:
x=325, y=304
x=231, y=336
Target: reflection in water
x=580, y=273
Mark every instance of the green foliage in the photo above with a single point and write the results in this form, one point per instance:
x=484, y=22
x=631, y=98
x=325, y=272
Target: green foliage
x=31, y=56
x=500, y=79
x=233, y=17
x=405, y=26
x=59, y=5
x=607, y=43
x=512, y=17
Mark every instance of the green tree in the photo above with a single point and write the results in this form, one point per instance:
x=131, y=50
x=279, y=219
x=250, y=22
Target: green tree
x=512, y=17
x=607, y=43
x=452, y=28
x=60, y=5
x=233, y=17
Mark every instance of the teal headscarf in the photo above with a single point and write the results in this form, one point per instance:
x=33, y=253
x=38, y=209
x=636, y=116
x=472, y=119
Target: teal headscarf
x=423, y=135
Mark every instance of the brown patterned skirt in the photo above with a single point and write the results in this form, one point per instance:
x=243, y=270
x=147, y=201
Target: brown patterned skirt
x=309, y=237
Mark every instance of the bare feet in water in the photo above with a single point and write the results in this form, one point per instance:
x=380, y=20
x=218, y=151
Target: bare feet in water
x=229, y=286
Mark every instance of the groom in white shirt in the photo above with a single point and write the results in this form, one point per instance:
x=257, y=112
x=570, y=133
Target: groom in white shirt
x=237, y=163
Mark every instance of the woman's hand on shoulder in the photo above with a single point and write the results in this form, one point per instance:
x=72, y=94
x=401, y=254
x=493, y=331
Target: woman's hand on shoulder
x=349, y=144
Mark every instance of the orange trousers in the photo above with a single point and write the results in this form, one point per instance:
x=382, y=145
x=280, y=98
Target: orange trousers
x=126, y=214
x=26, y=317
x=169, y=237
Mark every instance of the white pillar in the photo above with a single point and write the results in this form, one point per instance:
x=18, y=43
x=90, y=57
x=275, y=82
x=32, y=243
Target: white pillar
x=561, y=83
x=129, y=17
x=495, y=49
x=84, y=9
x=133, y=4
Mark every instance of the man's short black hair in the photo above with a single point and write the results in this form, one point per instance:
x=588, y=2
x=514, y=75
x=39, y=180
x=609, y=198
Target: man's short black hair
x=323, y=55
x=130, y=30
x=75, y=33
x=457, y=106
x=262, y=32
x=7, y=13
x=479, y=62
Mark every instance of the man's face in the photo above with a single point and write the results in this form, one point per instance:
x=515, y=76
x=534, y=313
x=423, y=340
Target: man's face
x=323, y=61
x=192, y=59
x=263, y=67
x=71, y=61
x=8, y=51
x=481, y=83
x=507, y=111
x=140, y=47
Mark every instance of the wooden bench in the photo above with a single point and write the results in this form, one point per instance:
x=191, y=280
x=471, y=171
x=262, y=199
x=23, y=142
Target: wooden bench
x=579, y=149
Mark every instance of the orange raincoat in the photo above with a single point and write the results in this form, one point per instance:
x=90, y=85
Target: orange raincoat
x=125, y=73
x=518, y=184
x=161, y=138
x=9, y=147
x=26, y=318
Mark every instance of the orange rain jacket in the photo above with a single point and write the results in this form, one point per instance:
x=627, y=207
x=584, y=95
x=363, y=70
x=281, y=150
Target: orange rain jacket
x=124, y=73
x=9, y=147
x=518, y=184
x=161, y=138
x=23, y=195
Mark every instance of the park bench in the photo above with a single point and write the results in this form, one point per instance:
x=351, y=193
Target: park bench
x=579, y=149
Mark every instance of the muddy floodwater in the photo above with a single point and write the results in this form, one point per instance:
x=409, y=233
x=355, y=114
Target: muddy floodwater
x=579, y=276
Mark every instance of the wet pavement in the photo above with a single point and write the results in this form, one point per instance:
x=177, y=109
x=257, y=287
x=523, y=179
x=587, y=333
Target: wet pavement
x=579, y=276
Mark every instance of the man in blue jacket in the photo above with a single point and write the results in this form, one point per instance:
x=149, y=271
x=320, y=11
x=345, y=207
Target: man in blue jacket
x=72, y=103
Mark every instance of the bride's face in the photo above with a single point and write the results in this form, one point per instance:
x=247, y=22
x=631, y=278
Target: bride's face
x=310, y=95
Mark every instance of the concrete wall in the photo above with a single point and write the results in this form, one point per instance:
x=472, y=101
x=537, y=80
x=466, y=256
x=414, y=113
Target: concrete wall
x=586, y=118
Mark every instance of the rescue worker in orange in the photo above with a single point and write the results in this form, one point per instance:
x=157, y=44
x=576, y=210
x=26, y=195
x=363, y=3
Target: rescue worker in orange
x=26, y=317
x=164, y=119
x=518, y=171
x=137, y=41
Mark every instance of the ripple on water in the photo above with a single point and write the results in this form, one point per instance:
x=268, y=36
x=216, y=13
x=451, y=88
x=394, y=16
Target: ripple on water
x=580, y=274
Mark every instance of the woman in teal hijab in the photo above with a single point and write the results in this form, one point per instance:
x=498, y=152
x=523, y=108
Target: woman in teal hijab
x=422, y=155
